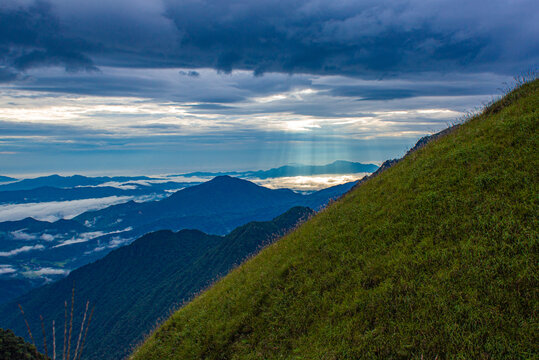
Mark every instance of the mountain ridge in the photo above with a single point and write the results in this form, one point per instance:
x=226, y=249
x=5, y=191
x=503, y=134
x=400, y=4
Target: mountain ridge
x=59, y=181
x=336, y=167
x=4, y=179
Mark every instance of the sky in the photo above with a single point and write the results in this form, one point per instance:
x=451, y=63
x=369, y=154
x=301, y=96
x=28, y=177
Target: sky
x=162, y=86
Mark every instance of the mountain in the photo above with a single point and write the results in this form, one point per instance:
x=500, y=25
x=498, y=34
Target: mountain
x=135, y=286
x=6, y=179
x=31, y=253
x=37, y=252
x=337, y=167
x=48, y=193
x=32, y=225
x=67, y=181
x=215, y=207
x=436, y=257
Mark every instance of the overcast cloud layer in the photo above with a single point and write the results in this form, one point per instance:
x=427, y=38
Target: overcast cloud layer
x=310, y=36
x=162, y=86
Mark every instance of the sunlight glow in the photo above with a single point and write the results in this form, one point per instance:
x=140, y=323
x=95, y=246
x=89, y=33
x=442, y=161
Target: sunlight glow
x=308, y=183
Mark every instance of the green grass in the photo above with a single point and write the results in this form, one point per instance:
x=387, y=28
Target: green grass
x=436, y=257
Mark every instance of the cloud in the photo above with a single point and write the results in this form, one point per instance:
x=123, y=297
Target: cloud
x=21, y=250
x=264, y=105
x=7, y=269
x=29, y=129
x=21, y=235
x=308, y=183
x=49, y=237
x=55, y=210
x=45, y=271
x=134, y=184
x=85, y=237
x=190, y=73
x=115, y=242
x=7, y=75
x=32, y=37
x=367, y=38
x=256, y=83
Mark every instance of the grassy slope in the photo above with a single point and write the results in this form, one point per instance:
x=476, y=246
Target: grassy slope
x=437, y=256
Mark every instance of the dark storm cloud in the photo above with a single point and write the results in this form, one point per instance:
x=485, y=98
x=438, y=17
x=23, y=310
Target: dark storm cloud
x=360, y=38
x=6, y=75
x=190, y=73
x=389, y=92
x=350, y=37
x=94, y=84
x=31, y=36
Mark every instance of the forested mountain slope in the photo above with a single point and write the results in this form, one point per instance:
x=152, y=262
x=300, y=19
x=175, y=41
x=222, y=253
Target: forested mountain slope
x=135, y=286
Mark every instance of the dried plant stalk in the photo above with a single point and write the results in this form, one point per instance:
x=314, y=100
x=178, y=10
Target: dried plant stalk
x=53, y=341
x=70, y=323
x=44, y=336
x=65, y=329
x=81, y=330
x=28, y=328
x=86, y=331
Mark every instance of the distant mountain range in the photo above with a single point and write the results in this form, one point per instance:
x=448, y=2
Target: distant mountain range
x=67, y=181
x=135, y=286
x=78, y=187
x=49, y=193
x=6, y=179
x=337, y=167
x=32, y=251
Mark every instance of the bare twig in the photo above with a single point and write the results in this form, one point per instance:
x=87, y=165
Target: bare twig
x=28, y=328
x=65, y=329
x=70, y=322
x=86, y=331
x=81, y=330
x=44, y=336
x=53, y=341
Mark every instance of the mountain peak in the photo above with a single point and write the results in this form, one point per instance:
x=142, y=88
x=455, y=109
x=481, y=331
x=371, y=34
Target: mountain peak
x=223, y=178
x=227, y=179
